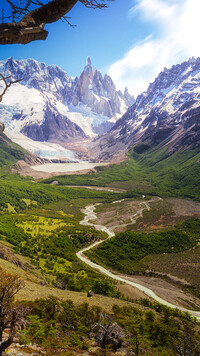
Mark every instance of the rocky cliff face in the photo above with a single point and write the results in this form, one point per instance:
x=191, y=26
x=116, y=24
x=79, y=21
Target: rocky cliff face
x=54, y=126
x=48, y=105
x=2, y=127
x=99, y=93
x=167, y=114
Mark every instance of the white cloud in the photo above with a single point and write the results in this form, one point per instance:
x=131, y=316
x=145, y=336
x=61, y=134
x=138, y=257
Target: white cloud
x=175, y=40
x=156, y=9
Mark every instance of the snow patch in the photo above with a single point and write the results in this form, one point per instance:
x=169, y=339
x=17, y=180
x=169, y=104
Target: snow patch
x=41, y=149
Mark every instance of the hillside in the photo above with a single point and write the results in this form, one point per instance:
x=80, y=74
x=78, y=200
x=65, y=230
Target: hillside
x=9, y=152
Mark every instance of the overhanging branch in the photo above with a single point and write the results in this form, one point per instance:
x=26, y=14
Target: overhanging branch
x=31, y=26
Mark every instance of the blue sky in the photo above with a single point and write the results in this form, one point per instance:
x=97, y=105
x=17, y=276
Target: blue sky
x=100, y=34
x=132, y=40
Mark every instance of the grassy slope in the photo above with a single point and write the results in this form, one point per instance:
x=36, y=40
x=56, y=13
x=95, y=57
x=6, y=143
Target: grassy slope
x=33, y=289
x=9, y=151
x=151, y=172
x=175, y=175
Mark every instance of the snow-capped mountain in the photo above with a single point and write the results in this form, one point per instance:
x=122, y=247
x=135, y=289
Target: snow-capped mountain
x=48, y=105
x=167, y=113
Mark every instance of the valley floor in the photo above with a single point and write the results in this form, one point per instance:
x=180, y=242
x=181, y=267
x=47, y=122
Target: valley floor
x=120, y=215
x=115, y=213
x=165, y=290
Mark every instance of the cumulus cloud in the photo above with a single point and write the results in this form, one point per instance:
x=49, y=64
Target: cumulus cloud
x=175, y=39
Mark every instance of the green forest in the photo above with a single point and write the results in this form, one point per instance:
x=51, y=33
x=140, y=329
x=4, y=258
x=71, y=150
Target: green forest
x=126, y=251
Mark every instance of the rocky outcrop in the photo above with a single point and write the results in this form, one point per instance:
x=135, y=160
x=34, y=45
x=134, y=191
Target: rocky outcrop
x=99, y=93
x=2, y=127
x=54, y=126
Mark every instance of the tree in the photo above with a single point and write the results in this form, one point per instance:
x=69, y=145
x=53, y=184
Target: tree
x=10, y=313
x=7, y=83
x=28, y=17
x=108, y=333
x=103, y=286
x=188, y=343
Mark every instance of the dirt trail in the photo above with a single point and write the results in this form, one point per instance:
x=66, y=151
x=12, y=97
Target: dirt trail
x=89, y=212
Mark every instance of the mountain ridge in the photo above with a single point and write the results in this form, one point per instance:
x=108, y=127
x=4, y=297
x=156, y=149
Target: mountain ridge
x=168, y=113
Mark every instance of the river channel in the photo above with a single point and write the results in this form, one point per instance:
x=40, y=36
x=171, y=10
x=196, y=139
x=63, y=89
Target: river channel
x=90, y=214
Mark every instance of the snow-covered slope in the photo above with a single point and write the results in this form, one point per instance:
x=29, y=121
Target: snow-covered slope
x=48, y=106
x=168, y=113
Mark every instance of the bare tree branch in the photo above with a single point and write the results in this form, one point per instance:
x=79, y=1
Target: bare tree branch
x=10, y=314
x=6, y=84
x=95, y=4
x=32, y=22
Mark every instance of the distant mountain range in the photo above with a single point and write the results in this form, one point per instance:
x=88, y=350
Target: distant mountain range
x=48, y=105
x=167, y=114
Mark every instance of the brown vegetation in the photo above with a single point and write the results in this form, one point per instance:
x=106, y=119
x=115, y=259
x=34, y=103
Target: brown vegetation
x=10, y=313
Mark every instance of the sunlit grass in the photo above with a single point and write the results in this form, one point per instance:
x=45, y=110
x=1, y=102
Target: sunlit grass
x=10, y=208
x=29, y=202
x=41, y=225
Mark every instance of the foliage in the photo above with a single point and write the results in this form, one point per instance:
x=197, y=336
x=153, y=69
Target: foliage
x=51, y=243
x=55, y=324
x=10, y=231
x=156, y=330
x=50, y=235
x=124, y=249
x=163, y=332
x=103, y=286
x=14, y=189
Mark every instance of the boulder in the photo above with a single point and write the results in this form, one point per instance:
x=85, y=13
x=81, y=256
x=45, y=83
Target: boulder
x=90, y=293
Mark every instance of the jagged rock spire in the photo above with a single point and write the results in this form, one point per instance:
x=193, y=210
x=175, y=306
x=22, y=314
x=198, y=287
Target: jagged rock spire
x=88, y=62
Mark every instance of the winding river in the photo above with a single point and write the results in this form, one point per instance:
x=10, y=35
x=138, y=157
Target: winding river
x=89, y=212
